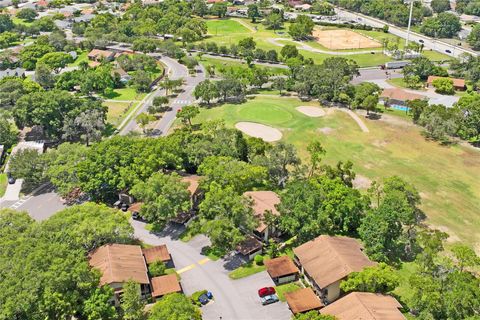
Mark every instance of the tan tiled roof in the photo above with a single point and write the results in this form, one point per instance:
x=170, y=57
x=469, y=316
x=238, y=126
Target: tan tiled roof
x=119, y=263
x=456, y=82
x=165, y=284
x=156, y=253
x=328, y=259
x=263, y=201
x=100, y=53
x=303, y=300
x=399, y=94
x=365, y=306
x=281, y=266
x=193, y=182
x=135, y=207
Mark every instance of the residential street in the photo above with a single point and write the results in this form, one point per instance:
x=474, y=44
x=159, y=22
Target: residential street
x=234, y=299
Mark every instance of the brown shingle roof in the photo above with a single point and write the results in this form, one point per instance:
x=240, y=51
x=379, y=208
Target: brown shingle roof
x=165, y=284
x=281, y=266
x=249, y=245
x=328, y=259
x=119, y=263
x=135, y=207
x=193, y=182
x=365, y=306
x=399, y=94
x=303, y=300
x=458, y=83
x=156, y=253
x=263, y=201
x=100, y=53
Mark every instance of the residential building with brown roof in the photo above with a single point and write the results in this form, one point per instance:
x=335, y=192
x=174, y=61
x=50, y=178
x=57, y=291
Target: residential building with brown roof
x=98, y=55
x=458, y=84
x=118, y=264
x=365, y=306
x=282, y=270
x=327, y=260
x=263, y=202
x=193, y=182
x=399, y=96
x=250, y=247
x=303, y=300
x=157, y=253
x=166, y=284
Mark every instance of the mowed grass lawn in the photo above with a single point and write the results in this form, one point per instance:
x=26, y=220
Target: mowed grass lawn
x=117, y=111
x=3, y=184
x=447, y=177
x=125, y=94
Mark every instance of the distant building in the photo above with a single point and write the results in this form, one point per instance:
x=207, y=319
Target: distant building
x=365, y=306
x=398, y=96
x=98, y=55
x=17, y=72
x=327, y=260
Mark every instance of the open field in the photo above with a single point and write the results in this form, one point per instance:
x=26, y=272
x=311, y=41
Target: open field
x=221, y=63
x=117, y=111
x=125, y=94
x=445, y=176
x=344, y=39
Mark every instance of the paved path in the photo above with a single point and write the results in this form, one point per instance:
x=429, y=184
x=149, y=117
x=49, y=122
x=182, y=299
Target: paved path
x=355, y=117
x=246, y=25
x=12, y=193
x=234, y=299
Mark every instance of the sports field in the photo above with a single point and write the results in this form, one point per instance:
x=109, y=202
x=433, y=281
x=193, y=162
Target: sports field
x=445, y=176
x=344, y=39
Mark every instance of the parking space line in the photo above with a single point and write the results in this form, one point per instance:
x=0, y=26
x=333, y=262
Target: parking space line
x=190, y=267
x=203, y=261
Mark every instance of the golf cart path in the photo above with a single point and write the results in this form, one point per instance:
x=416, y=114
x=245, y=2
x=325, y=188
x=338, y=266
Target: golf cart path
x=355, y=117
x=306, y=47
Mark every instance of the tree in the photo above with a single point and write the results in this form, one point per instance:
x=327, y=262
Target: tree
x=157, y=268
x=6, y=23
x=377, y=279
x=469, y=119
x=444, y=25
x=423, y=67
x=131, y=304
x=274, y=21
x=88, y=126
x=320, y=205
x=279, y=159
x=55, y=60
x=416, y=108
x=187, y=113
x=253, y=12
x=98, y=305
x=8, y=136
x=143, y=119
x=280, y=84
x=163, y=197
x=222, y=233
x=219, y=9
x=200, y=8
x=313, y=315
x=443, y=86
x=439, y=122
x=225, y=203
x=28, y=165
x=366, y=96
x=44, y=76
x=465, y=256
x=175, y=306
x=230, y=88
x=301, y=28
x=207, y=91
x=141, y=81
x=473, y=38
x=323, y=8
x=289, y=51
x=440, y=6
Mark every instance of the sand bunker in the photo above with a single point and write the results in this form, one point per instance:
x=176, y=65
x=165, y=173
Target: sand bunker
x=313, y=112
x=258, y=130
x=344, y=39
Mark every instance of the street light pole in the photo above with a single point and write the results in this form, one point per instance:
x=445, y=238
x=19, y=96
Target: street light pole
x=409, y=23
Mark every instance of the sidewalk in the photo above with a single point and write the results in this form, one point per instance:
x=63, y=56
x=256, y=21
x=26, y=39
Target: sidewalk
x=13, y=191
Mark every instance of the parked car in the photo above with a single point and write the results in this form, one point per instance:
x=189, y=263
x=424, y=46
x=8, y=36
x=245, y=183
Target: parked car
x=448, y=51
x=266, y=291
x=11, y=179
x=203, y=299
x=421, y=41
x=269, y=299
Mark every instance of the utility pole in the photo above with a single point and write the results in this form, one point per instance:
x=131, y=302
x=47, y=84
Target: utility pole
x=409, y=22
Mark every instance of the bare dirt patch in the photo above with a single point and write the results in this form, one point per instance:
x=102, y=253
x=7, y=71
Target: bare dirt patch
x=452, y=237
x=326, y=130
x=258, y=130
x=310, y=111
x=343, y=39
x=361, y=182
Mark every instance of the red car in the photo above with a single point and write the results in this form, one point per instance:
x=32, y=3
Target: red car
x=266, y=291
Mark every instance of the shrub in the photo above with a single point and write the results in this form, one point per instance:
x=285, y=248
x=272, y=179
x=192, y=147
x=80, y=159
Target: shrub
x=157, y=268
x=259, y=260
x=197, y=295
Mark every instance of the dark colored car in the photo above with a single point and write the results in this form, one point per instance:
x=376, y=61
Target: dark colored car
x=11, y=180
x=203, y=299
x=448, y=51
x=421, y=41
x=266, y=291
x=269, y=299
